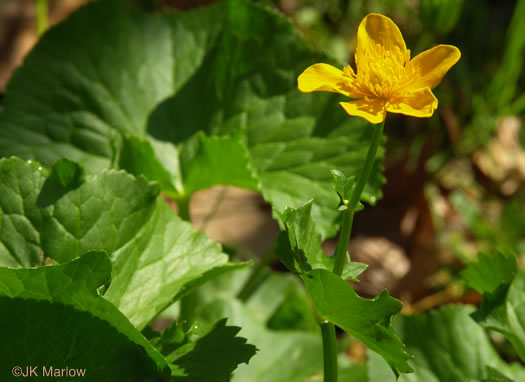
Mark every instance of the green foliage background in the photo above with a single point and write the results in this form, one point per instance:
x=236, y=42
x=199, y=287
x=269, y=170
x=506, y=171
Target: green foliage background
x=99, y=122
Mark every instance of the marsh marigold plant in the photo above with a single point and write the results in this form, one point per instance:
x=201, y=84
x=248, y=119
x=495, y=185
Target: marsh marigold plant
x=386, y=79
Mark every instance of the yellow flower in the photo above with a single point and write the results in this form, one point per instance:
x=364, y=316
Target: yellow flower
x=386, y=78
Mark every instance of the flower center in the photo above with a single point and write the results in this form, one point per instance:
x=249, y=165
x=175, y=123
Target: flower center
x=382, y=71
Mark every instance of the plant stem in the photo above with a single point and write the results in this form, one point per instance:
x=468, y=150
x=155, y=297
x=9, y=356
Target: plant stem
x=257, y=272
x=341, y=251
x=367, y=168
x=41, y=16
x=329, y=351
x=183, y=205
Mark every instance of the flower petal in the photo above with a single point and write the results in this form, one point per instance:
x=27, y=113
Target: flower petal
x=431, y=65
x=378, y=37
x=420, y=103
x=372, y=110
x=324, y=77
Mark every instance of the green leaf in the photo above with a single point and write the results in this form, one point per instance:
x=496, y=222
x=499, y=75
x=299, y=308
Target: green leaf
x=294, y=312
x=53, y=316
x=296, y=171
x=79, y=105
x=343, y=185
x=299, y=350
x=209, y=161
x=20, y=183
x=65, y=176
x=104, y=212
x=494, y=375
x=217, y=70
x=171, y=338
x=502, y=310
x=299, y=248
x=157, y=257
x=210, y=274
x=496, y=276
x=491, y=271
x=447, y=346
x=218, y=340
x=282, y=303
x=165, y=260
x=367, y=320
x=138, y=157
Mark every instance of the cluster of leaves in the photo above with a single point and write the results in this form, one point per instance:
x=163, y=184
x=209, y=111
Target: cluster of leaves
x=95, y=126
x=149, y=104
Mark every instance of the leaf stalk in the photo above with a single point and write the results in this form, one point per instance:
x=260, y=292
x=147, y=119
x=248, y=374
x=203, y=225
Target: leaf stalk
x=255, y=276
x=183, y=206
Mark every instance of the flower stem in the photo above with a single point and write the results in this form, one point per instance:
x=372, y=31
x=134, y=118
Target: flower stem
x=329, y=351
x=342, y=245
x=341, y=251
x=367, y=168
